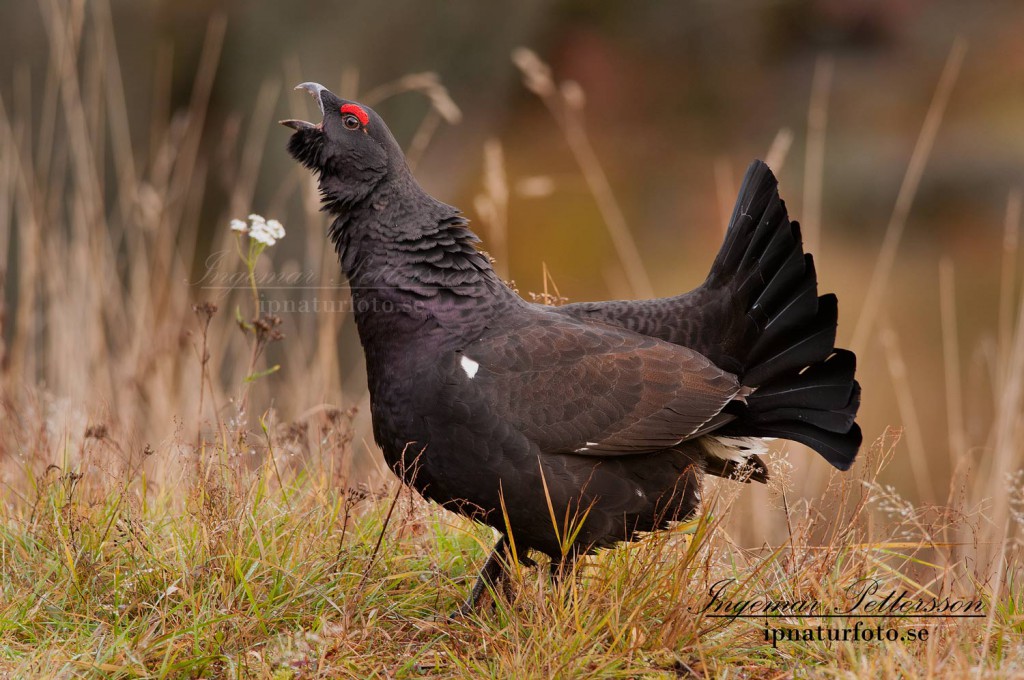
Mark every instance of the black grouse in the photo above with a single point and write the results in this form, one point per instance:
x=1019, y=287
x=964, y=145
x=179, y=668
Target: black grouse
x=570, y=428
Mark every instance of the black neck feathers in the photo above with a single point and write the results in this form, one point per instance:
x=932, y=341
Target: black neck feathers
x=412, y=260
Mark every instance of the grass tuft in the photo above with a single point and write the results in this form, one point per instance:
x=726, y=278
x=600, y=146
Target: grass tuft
x=246, y=572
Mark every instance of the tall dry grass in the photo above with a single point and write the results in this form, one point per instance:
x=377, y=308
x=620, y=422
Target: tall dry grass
x=108, y=246
x=133, y=441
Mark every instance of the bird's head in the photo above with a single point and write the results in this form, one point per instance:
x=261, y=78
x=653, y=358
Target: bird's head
x=351, y=150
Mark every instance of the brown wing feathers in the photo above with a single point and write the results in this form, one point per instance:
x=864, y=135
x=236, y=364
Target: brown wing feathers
x=588, y=389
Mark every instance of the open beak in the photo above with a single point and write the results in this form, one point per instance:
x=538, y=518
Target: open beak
x=314, y=89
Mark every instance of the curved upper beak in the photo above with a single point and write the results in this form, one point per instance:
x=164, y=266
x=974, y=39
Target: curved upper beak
x=316, y=90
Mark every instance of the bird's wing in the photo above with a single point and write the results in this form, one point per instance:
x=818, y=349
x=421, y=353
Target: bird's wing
x=708, y=319
x=577, y=387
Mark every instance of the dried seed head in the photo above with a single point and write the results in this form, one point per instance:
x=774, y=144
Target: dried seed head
x=205, y=311
x=267, y=328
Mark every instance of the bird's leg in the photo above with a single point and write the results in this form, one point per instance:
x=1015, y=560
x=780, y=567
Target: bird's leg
x=491, y=574
x=559, y=569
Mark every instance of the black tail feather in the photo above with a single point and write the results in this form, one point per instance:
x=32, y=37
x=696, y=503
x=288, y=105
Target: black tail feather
x=758, y=201
x=827, y=385
x=805, y=388
x=797, y=269
x=838, y=449
x=838, y=420
x=801, y=344
x=781, y=316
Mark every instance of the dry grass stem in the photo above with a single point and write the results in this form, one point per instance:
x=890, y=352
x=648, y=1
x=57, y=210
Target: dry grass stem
x=879, y=280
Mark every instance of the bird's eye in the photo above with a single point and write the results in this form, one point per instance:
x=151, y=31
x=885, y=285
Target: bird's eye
x=350, y=122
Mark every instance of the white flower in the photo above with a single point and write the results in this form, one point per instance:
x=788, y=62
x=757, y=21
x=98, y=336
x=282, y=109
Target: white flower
x=275, y=228
x=267, y=232
x=263, y=237
x=261, y=232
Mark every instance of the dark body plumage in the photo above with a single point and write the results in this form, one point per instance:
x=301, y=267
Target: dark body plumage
x=607, y=414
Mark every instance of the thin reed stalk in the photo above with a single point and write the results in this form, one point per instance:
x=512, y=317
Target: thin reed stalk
x=879, y=281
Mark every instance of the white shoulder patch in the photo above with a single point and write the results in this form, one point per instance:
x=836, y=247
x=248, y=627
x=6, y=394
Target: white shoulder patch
x=469, y=366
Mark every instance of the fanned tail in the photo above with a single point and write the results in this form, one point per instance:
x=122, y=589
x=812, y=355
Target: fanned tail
x=805, y=388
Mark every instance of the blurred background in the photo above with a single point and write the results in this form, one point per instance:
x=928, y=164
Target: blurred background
x=131, y=132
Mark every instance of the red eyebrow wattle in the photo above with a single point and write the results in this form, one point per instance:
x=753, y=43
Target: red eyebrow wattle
x=356, y=111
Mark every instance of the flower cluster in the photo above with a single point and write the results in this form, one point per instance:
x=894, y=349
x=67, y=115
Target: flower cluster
x=267, y=232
